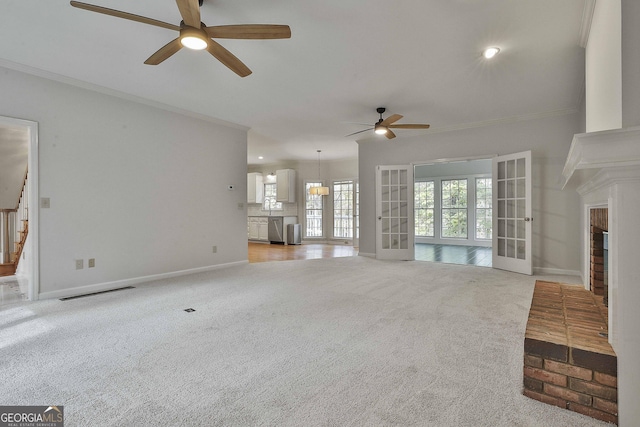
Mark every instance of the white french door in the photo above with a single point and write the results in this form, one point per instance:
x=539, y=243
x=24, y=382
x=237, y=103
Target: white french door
x=512, y=219
x=356, y=213
x=394, y=212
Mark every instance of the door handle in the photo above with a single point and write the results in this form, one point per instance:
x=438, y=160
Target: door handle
x=527, y=219
x=379, y=218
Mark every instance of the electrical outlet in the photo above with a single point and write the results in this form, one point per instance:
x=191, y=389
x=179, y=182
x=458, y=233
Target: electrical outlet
x=79, y=264
x=45, y=203
x=92, y=262
x=240, y=206
x=215, y=249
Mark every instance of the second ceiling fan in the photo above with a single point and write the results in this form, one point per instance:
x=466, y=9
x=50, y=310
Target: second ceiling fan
x=384, y=126
x=196, y=35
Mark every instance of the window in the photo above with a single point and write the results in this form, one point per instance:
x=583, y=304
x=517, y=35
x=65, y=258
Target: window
x=313, y=211
x=454, y=208
x=424, y=206
x=343, y=209
x=483, y=208
x=270, y=203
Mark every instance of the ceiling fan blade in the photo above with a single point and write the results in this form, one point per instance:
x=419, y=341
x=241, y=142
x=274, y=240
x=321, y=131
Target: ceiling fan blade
x=360, y=131
x=164, y=52
x=228, y=59
x=125, y=15
x=391, y=119
x=389, y=134
x=190, y=12
x=249, y=31
x=409, y=126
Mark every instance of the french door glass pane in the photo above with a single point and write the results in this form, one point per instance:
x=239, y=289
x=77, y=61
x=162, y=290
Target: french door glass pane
x=343, y=209
x=454, y=208
x=313, y=211
x=511, y=209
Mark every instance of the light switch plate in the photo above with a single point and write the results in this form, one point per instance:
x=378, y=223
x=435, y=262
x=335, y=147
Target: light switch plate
x=45, y=203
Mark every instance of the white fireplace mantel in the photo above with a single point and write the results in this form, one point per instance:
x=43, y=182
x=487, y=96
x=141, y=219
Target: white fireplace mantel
x=604, y=168
x=594, y=151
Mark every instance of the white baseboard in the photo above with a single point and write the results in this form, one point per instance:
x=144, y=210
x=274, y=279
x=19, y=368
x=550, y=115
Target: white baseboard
x=107, y=286
x=366, y=254
x=555, y=271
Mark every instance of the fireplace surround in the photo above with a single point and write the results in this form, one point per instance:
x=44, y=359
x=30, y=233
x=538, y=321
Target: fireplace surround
x=604, y=168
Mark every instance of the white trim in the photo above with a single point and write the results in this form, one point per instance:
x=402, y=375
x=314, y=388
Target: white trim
x=597, y=150
x=544, y=271
x=501, y=121
x=107, y=286
x=368, y=255
x=453, y=160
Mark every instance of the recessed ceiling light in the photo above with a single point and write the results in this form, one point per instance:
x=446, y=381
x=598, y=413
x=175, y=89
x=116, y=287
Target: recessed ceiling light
x=490, y=52
x=260, y=157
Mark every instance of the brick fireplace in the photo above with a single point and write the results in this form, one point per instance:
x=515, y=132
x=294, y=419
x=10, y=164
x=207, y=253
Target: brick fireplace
x=598, y=224
x=604, y=168
x=567, y=359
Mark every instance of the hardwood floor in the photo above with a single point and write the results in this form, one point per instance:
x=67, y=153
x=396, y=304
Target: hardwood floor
x=262, y=252
x=453, y=254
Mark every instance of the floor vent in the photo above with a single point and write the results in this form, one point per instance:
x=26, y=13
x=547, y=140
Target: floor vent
x=96, y=293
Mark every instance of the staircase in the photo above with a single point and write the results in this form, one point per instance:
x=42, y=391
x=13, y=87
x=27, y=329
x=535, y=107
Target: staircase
x=14, y=231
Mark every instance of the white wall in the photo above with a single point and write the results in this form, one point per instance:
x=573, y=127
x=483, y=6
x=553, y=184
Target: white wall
x=456, y=168
x=140, y=189
x=603, y=73
x=630, y=63
x=556, y=213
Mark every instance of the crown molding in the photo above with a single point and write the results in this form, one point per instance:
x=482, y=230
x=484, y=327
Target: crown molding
x=504, y=120
x=587, y=18
x=115, y=93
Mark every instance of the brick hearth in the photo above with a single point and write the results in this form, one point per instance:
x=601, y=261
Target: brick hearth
x=568, y=361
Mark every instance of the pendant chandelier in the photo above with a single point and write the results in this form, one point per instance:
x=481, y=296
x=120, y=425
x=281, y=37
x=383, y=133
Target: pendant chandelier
x=321, y=191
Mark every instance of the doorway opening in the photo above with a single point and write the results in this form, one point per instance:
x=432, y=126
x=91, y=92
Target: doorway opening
x=21, y=224
x=453, y=212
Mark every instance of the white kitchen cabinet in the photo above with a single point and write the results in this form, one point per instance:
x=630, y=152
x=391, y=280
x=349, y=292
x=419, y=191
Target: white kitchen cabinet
x=253, y=228
x=286, y=185
x=255, y=188
x=263, y=229
x=258, y=228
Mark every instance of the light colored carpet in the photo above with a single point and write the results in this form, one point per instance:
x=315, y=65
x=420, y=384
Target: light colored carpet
x=328, y=342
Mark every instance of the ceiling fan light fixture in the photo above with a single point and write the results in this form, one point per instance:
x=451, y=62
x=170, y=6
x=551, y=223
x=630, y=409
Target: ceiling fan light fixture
x=193, y=39
x=319, y=190
x=380, y=130
x=490, y=52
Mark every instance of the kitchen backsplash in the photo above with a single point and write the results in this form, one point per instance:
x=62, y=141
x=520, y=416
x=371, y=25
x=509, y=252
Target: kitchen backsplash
x=288, y=209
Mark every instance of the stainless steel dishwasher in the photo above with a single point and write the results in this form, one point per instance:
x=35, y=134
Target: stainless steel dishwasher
x=276, y=229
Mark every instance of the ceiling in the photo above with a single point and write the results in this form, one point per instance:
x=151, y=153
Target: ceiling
x=418, y=58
